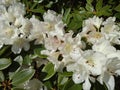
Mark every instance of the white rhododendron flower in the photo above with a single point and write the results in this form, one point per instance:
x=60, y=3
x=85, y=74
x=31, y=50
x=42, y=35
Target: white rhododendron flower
x=53, y=43
x=111, y=68
x=53, y=23
x=92, y=61
x=54, y=58
x=7, y=2
x=37, y=30
x=91, y=28
x=92, y=24
x=17, y=9
x=111, y=30
x=89, y=64
x=15, y=29
x=104, y=46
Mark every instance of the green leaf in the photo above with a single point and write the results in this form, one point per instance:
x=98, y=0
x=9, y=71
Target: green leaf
x=67, y=16
x=49, y=69
x=2, y=50
x=89, y=6
x=106, y=11
x=1, y=76
x=37, y=52
x=37, y=10
x=98, y=86
x=99, y=5
x=34, y=5
x=62, y=79
x=117, y=8
x=18, y=89
x=89, y=1
x=117, y=15
x=27, y=60
x=49, y=4
x=22, y=76
x=4, y=63
x=70, y=85
x=66, y=74
x=74, y=25
x=76, y=87
x=19, y=59
x=48, y=84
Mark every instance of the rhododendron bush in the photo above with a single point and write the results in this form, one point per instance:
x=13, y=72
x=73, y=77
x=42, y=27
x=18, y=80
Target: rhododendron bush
x=59, y=45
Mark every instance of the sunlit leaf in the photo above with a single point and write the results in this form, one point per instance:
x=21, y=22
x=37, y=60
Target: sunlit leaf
x=22, y=76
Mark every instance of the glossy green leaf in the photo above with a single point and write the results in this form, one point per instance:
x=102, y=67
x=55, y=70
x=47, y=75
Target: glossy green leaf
x=67, y=16
x=70, y=85
x=1, y=76
x=27, y=60
x=37, y=52
x=68, y=74
x=4, y=63
x=49, y=69
x=22, y=76
x=62, y=79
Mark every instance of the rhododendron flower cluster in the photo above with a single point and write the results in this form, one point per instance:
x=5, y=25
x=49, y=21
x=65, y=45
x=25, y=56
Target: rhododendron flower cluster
x=101, y=61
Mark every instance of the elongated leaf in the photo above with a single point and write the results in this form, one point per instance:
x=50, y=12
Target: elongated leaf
x=89, y=5
x=49, y=69
x=1, y=76
x=62, y=79
x=38, y=10
x=117, y=8
x=4, y=63
x=99, y=5
x=67, y=16
x=2, y=51
x=22, y=76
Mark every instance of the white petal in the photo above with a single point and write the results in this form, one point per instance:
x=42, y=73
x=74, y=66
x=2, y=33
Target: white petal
x=77, y=78
x=16, y=49
x=26, y=46
x=1, y=45
x=86, y=85
x=109, y=81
